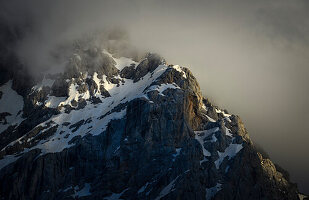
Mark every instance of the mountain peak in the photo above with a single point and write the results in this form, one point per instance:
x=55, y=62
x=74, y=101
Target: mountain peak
x=114, y=127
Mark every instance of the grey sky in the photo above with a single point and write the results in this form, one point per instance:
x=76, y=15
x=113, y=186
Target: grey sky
x=250, y=57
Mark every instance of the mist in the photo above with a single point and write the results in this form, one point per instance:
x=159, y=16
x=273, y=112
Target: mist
x=250, y=57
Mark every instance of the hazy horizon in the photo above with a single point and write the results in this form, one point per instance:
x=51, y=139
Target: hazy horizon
x=250, y=57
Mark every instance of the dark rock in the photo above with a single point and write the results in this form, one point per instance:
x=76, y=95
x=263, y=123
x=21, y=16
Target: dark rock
x=92, y=86
x=128, y=72
x=149, y=64
x=3, y=117
x=60, y=88
x=76, y=126
x=104, y=92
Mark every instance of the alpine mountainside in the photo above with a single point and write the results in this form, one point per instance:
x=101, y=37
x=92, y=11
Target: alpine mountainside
x=117, y=125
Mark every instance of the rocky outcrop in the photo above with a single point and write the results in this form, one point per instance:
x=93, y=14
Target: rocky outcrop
x=149, y=64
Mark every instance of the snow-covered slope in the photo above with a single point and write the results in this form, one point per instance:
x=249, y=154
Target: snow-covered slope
x=11, y=105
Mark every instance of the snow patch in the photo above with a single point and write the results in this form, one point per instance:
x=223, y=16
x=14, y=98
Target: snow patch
x=142, y=189
x=210, y=119
x=227, y=169
x=230, y=151
x=96, y=79
x=75, y=95
x=200, y=136
x=121, y=62
x=85, y=191
x=211, y=192
x=180, y=69
x=213, y=138
x=228, y=132
x=221, y=111
x=301, y=196
x=178, y=150
x=66, y=189
x=53, y=102
x=204, y=107
x=99, y=126
x=115, y=196
x=8, y=159
x=205, y=133
x=161, y=88
x=11, y=103
x=167, y=189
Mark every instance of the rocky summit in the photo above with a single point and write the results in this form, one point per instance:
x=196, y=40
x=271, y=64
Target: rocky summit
x=113, y=127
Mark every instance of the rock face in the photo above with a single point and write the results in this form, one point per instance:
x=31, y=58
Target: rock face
x=114, y=128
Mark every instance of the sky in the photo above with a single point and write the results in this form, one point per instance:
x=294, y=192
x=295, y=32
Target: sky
x=250, y=57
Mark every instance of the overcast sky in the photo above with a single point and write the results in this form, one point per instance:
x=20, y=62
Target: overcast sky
x=250, y=57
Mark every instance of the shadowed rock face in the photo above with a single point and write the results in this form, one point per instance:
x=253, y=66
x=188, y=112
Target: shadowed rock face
x=169, y=143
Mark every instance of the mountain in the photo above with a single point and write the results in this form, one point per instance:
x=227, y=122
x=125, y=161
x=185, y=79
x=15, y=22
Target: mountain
x=114, y=125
